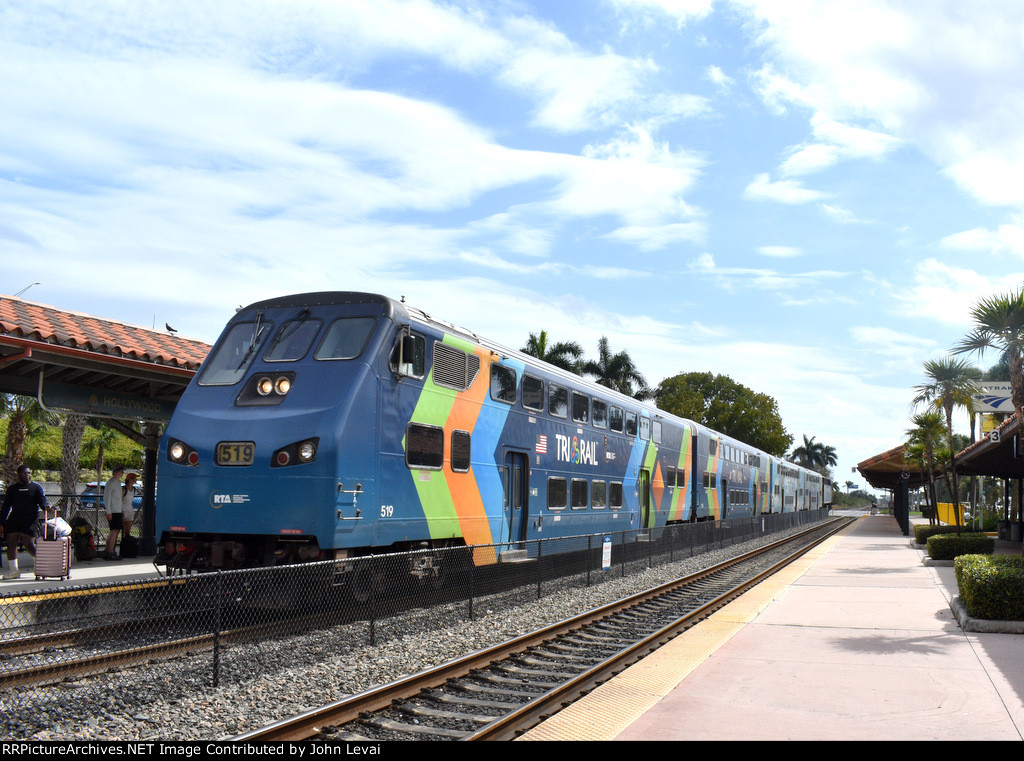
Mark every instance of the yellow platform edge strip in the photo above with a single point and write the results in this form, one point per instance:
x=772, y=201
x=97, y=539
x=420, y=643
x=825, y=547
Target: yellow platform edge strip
x=616, y=704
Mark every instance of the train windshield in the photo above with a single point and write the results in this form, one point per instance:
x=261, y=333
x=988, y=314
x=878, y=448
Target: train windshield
x=346, y=338
x=292, y=340
x=228, y=363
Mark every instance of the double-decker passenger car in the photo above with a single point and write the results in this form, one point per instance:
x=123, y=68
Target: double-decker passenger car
x=333, y=425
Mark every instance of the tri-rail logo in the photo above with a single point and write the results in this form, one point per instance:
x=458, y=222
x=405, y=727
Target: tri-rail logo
x=217, y=499
x=575, y=450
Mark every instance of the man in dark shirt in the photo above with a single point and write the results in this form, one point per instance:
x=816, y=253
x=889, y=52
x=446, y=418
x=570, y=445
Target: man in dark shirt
x=22, y=503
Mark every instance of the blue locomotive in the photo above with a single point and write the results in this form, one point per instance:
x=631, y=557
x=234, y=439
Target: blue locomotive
x=337, y=424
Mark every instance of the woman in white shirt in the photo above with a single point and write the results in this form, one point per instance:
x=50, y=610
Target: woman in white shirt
x=128, y=505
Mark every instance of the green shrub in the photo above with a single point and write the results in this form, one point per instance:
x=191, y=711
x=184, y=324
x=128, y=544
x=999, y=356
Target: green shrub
x=923, y=531
x=950, y=546
x=991, y=586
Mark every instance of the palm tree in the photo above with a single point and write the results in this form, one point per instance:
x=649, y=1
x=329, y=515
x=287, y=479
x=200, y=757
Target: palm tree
x=923, y=443
x=999, y=324
x=24, y=415
x=99, y=443
x=950, y=385
x=564, y=354
x=72, y=429
x=617, y=371
x=808, y=454
x=828, y=457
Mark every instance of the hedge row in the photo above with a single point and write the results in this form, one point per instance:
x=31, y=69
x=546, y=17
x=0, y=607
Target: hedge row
x=991, y=586
x=922, y=531
x=950, y=546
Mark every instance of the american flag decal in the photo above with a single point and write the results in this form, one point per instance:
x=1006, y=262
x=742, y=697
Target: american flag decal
x=542, y=444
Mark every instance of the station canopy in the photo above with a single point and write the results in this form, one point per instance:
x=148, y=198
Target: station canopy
x=888, y=469
x=998, y=454
x=91, y=365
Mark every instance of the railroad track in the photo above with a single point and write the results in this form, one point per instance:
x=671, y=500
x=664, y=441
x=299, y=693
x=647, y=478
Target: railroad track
x=57, y=669
x=496, y=693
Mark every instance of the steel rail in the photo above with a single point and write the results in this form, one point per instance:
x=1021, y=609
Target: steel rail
x=349, y=709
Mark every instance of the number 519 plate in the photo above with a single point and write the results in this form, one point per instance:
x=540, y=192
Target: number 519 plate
x=235, y=452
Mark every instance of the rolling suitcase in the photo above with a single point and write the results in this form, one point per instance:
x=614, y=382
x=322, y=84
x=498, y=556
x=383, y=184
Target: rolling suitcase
x=53, y=554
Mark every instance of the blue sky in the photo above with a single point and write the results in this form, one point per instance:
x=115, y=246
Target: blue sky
x=805, y=196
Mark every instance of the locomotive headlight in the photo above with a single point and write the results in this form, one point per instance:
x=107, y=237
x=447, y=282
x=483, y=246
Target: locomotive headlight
x=283, y=385
x=264, y=386
x=299, y=453
x=307, y=451
x=181, y=453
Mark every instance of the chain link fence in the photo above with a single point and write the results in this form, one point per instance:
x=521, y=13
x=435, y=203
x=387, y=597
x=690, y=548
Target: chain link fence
x=234, y=623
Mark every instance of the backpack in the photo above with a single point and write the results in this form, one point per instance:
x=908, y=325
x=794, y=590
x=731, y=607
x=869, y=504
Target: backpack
x=129, y=547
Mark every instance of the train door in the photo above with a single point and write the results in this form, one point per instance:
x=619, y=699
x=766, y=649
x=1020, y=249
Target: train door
x=516, y=491
x=725, y=499
x=645, y=497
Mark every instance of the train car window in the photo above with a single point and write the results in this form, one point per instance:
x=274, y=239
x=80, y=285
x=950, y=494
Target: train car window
x=292, y=341
x=657, y=431
x=599, y=414
x=460, y=451
x=409, y=357
x=580, y=493
x=631, y=427
x=599, y=495
x=503, y=384
x=615, y=419
x=558, y=401
x=346, y=338
x=615, y=494
x=424, y=446
x=533, y=393
x=645, y=428
x=557, y=493
x=580, y=407
x=681, y=478
x=670, y=478
x=712, y=446
x=230, y=360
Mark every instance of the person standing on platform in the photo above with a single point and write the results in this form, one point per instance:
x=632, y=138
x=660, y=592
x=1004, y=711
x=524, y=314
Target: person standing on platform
x=22, y=502
x=128, y=506
x=112, y=501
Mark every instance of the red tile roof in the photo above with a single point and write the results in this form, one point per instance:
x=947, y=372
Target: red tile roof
x=39, y=322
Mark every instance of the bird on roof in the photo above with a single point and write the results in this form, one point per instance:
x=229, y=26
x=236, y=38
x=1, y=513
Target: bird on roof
x=169, y=328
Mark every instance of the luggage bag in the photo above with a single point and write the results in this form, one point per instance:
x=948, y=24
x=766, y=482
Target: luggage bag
x=53, y=555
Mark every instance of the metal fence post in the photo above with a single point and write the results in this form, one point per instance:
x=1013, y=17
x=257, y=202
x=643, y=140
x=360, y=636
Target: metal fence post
x=540, y=563
x=217, y=621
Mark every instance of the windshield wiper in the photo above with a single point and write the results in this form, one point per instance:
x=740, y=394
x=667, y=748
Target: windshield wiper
x=257, y=331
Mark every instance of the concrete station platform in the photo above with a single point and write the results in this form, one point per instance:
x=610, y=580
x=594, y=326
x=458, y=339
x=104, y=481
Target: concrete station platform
x=856, y=641
x=96, y=571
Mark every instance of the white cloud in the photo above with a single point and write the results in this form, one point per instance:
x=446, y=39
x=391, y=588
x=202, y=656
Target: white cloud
x=840, y=215
x=1006, y=239
x=943, y=294
x=942, y=76
x=782, y=191
x=715, y=75
x=780, y=252
x=887, y=341
x=731, y=278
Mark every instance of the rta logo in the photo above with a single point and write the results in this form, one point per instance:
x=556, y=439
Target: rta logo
x=217, y=499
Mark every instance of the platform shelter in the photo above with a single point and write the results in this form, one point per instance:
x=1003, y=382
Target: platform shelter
x=96, y=367
x=890, y=471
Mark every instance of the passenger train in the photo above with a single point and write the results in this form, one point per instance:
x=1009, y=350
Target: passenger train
x=335, y=425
